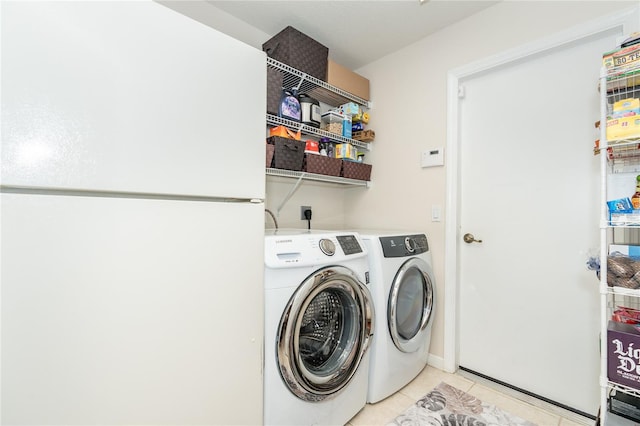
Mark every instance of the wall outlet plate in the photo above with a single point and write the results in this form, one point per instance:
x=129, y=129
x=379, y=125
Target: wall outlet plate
x=302, y=209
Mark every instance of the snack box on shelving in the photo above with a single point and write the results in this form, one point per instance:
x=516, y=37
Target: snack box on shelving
x=628, y=105
x=622, y=356
x=627, y=250
x=623, y=128
x=345, y=150
x=621, y=212
x=364, y=135
x=621, y=59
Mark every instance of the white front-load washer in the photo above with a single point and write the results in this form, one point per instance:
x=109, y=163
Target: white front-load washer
x=318, y=327
x=403, y=291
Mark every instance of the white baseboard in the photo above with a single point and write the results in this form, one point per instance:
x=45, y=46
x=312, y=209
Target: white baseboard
x=436, y=362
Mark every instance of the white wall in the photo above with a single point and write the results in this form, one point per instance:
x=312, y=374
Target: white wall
x=408, y=89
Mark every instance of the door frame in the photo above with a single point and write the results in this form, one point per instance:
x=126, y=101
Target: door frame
x=620, y=20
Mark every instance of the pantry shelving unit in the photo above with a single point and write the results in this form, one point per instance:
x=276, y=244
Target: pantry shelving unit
x=328, y=94
x=617, y=157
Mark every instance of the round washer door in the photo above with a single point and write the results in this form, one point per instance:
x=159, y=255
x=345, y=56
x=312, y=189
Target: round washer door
x=324, y=333
x=410, y=305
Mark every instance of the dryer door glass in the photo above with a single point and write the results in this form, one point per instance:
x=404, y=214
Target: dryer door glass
x=324, y=333
x=411, y=305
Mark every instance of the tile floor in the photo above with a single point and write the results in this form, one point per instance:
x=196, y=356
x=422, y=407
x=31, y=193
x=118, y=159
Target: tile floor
x=538, y=412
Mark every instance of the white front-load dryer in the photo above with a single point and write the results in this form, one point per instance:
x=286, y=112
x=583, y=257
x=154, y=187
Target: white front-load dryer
x=318, y=327
x=403, y=291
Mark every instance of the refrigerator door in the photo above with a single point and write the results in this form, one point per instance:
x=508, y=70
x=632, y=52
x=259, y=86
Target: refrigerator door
x=129, y=97
x=130, y=311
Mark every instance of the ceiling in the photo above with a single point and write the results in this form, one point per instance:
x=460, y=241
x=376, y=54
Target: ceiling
x=356, y=32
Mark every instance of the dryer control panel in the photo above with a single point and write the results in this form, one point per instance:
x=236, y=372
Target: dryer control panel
x=404, y=245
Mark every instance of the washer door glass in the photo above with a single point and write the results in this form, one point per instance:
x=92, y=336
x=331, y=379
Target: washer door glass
x=324, y=333
x=411, y=305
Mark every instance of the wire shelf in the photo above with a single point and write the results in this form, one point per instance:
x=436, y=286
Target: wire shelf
x=305, y=83
x=309, y=130
x=316, y=177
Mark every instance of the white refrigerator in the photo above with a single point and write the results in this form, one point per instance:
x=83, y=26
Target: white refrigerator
x=132, y=217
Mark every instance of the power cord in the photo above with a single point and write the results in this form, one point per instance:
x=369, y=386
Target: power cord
x=307, y=215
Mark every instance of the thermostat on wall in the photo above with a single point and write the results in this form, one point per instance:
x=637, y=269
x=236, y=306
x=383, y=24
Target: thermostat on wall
x=433, y=157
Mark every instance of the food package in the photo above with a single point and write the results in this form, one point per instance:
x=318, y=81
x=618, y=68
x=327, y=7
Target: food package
x=332, y=122
x=623, y=271
x=362, y=117
x=626, y=107
x=284, y=132
x=623, y=128
x=346, y=151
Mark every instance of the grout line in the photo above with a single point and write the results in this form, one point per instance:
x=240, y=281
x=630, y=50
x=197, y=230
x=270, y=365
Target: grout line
x=534, y=402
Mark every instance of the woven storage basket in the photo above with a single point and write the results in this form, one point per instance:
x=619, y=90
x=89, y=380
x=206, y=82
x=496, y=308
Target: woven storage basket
x=354, y=170
x=322, y=165
x=274, y=90
x=270, y=150
x=300, y=51
x=288, y=154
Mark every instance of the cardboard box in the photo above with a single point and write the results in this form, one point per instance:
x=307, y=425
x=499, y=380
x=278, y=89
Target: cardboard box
x=627, y=105
x=622, y=59
x=364, y=135
x=623, y=128
x=347, y=80
x=627, y=250
x=623, y=359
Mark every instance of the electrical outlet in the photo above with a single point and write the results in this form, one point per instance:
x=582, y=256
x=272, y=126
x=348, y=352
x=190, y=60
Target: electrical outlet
x=302, y=209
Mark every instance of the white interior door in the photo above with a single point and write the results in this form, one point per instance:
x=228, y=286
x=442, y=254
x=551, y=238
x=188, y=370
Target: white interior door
x=529, y=190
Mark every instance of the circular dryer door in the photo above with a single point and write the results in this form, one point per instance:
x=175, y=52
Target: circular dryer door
x=411, y=305
x=324, y=333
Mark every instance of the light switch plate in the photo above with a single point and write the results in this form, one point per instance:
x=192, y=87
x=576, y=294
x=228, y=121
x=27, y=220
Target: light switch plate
x=432, y=157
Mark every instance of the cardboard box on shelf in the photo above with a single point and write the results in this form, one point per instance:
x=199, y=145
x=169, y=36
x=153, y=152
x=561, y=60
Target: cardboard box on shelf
x=364, y=135
x=623, y=128
x=347, y=80
x=622, y=356
x=622, y=59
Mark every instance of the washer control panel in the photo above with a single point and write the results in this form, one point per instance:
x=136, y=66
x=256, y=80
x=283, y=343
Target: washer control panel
x=349, y=244
x=404, y=245
x=312, y=248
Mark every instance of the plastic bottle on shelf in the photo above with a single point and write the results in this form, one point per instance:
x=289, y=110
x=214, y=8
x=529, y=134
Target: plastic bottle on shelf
x=635, y=199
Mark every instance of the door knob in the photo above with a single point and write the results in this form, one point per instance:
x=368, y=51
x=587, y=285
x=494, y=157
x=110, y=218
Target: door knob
x=469, y=238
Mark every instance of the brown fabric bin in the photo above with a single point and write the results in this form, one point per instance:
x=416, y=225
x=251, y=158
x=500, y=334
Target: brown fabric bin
x=300, y=51
x=270, y=151
x=322, y=165
x=354, y=170
x=274, y=90
x=288, y=153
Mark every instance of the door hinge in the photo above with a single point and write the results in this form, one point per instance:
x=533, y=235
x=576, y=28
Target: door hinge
x=460, y=92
